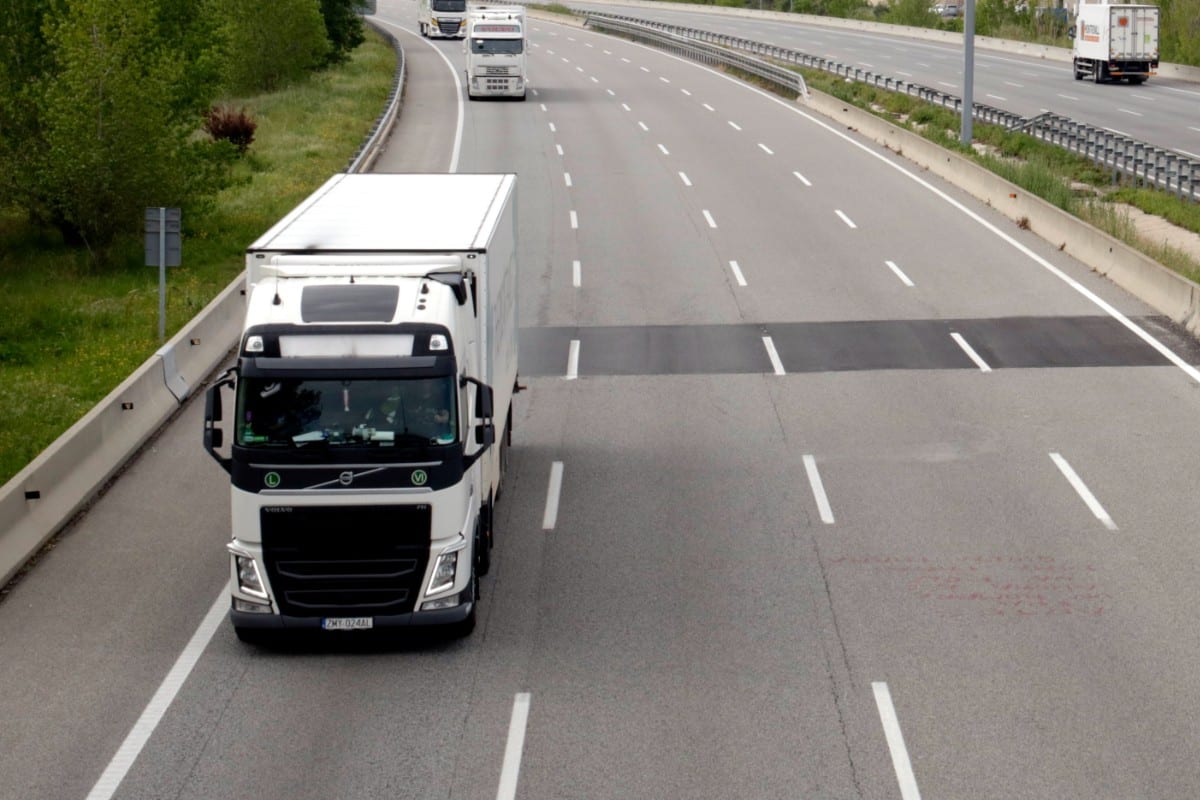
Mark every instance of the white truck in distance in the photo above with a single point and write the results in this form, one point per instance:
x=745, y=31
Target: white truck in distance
x=1115, y=40
x=442, y=18
x=373, y=413
x=496, y=52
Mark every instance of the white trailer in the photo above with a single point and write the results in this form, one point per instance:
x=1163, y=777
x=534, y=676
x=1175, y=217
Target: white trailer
x=445, y=19
x=1115, y=41
x=495, y=50
x=373, y=414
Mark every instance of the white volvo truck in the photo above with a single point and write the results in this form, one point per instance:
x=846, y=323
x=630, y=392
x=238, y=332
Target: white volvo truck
x=496, y=52
x=373, y=404
x=442, y=18
x=1114, y=41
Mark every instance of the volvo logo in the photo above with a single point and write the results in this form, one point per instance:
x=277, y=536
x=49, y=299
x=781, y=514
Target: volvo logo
x=346, y=478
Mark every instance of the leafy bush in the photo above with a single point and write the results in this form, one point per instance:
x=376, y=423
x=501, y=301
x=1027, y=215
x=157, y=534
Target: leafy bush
x=236, y=127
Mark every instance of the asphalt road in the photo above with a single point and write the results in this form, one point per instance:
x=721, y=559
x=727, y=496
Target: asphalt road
x=1163, y=111
x=829, y=483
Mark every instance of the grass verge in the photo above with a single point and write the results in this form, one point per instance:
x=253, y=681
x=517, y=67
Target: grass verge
x=69, y=335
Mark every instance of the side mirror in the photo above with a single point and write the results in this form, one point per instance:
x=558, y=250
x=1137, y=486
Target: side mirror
x=483, y=401
x=485, y=434
x=214, y=435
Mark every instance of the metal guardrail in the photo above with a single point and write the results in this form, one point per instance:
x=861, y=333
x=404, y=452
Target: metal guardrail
x=1137, y=161
x=699, y=51
x=361, y=161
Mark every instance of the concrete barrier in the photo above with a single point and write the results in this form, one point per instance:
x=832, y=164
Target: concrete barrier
x=44, y=496
x=1166, y=291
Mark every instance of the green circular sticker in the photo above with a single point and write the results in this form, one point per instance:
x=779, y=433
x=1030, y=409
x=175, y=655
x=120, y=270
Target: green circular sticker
x=419, y=477
x=272, y=480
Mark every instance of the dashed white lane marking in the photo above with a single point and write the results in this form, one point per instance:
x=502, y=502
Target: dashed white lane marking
x=683, y=177
x=642, y=125
x=1084, y=492
x=576, y=274
x=626, y=106
x=737, y=273
x=573, y=360
x=567, y=178
x=845, y=218
x=710, y=108
x=970, y=351
x=895, y=740
x=818, y=489
x=664, y=150
x=550, y=515
x=766, y=149
x=899, y=274
x=574, y=220
x=734, y=125
x=712, y=223
x=552, y=128
x=511, y=769
x=558, y=147
x=802, y=179
x=773, y=354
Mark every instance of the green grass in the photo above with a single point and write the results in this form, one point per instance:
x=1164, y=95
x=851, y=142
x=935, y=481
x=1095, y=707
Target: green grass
x=69, y=334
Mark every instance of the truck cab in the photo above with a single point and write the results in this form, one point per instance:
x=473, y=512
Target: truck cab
x=446, y=19
x=495, y=50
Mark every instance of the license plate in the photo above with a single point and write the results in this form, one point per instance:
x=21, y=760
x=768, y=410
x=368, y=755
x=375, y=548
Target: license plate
x=348, y=623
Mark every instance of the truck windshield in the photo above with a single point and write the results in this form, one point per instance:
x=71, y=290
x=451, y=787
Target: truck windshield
x=497, y=46
x=382, y=412
x=449, y=5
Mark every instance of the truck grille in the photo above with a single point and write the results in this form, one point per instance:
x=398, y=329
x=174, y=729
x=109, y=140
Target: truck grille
x=359, y=561
x=496, y=70
x=448, y=27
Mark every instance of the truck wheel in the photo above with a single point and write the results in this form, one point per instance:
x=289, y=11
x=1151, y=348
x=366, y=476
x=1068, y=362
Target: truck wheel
x=1100, y=73
x=483, y=541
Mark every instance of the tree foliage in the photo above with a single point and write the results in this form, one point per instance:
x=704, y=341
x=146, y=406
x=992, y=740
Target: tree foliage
x=117, y=122
x=343, y=28
x=269, y=45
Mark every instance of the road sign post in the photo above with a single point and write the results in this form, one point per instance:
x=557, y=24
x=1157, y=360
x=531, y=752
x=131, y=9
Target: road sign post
x=163, y=249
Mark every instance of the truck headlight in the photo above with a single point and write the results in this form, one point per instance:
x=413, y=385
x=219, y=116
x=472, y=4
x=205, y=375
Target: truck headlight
x=444, y=573
x=249, y=581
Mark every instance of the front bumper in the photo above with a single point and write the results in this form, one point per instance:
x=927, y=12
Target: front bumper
x=413, y=619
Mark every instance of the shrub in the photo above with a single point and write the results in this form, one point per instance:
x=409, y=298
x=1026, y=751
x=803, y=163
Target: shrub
x=235, y=127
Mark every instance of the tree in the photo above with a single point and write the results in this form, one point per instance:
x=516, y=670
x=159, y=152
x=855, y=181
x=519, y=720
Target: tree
x=343, y=27
x=118, y=118
x=25, y=59
x=268, y=45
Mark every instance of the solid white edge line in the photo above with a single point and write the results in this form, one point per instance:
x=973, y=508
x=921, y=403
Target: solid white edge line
x=1163, y=350
x=970, y=351
x=845, y=218
x=895, y=742
x=458, y=91
x=553, y=490
x=773, y=354
x=737, y=273
x=131, y=748
x=573, y=360
x=818, y=489
x=712, y=223
x=899, y=273
x=576, y=274
x=1083, y=491
x=511, y=770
